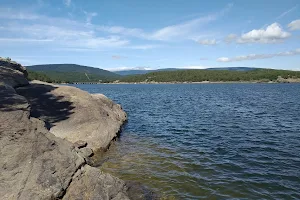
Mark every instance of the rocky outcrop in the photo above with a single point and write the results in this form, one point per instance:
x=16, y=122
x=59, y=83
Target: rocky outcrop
x=35, y=164
x=87, y=180
x=12, y=74
x=92, y=118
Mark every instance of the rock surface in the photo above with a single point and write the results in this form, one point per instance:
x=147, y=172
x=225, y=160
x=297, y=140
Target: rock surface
x=12, y=74
x=35, y=164
x=88, y=180
x=92, y=118
x=80, y=144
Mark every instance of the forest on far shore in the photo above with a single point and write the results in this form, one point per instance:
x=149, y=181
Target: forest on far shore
x=197, y=75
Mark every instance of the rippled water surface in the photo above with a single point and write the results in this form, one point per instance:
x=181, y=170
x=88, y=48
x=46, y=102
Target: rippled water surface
x=209, y=141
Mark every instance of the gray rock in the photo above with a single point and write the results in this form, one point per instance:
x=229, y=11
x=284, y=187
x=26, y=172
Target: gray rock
x=35, y=164
x=12, y=74
x=89, y=179
x=86, y=152
x=13, y=65
x=74, y=114
x=12, y=77
x=80, y=144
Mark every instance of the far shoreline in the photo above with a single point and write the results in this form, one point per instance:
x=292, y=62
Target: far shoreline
x=203, y=82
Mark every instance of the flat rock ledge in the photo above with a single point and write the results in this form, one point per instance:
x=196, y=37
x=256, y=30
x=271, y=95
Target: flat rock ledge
x=40, y=164
x=75, y=115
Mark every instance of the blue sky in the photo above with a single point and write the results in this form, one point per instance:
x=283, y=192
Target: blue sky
x=131, y=34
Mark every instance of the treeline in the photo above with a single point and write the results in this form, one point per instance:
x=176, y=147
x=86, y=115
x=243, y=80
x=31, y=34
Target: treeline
x=262, y=75
x=66, y=77
x=32, y=75
x=74, y=73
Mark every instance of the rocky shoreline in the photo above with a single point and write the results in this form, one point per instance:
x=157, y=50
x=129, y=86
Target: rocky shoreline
x=48, y=134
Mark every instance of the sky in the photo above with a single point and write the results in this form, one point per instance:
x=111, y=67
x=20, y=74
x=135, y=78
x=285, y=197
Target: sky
x=152, y=34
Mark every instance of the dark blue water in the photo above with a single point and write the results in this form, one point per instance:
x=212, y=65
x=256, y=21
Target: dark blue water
x=216, y=141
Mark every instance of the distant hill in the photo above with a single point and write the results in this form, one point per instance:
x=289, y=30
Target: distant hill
x=141, y=71
x=73, y=73
x=199, y=75
x=234, y=68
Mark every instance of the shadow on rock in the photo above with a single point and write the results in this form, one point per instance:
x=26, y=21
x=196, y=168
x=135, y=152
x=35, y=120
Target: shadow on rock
x=9, y=101
x=46, y=106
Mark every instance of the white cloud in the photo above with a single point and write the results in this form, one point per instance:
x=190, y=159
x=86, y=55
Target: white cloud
x=181, y=30
x=117, y=57
x=82, y=35
x=259, y=56
x=98, y=42
x=9, y=14
x=272, y=34
x=67, y=2
x=143, y=47
x=189, y=29
x=207, y=42
x=67, y=37
x=135, y=32
x=63, y=33
x=223, y=59
x=90, y=16
x=294, y=25
x=2, y=40
x=52, y=32
x=203, y=58
x=186, y=30
x=155, y=68
x=230, y=38
x=125, y=68
x=193, y=67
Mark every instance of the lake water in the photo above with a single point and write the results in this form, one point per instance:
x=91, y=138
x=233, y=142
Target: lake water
x=208, y=141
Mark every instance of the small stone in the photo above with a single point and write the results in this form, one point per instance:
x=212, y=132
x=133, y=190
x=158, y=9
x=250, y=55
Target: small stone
x=80, y=144
x=86, y=152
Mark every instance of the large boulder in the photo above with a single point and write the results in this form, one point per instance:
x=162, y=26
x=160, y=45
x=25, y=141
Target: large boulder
x=12, y=73
x=74, y=114
x=13, y=65
x=89, y=179
x=35, y=164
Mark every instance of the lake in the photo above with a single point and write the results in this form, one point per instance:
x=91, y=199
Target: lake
x=208, y=141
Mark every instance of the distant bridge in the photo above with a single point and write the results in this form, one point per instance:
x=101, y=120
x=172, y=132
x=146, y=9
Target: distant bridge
x=86, y=83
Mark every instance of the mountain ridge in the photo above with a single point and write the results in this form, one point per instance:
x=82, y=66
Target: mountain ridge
x=73, y=73
x=145, y=71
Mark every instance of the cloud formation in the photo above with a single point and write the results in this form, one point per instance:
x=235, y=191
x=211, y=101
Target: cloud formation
x=207, y=42
x=272, y=34
x=83, y=35
x=294, y=25
x=259, y=56
x=230, y=38
x=89, y=16
x=67, y=2
x=10, y=14
x=117, y=57
x=186, y=30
